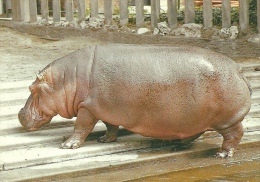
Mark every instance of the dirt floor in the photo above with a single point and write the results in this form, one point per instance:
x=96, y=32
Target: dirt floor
x=23, y=55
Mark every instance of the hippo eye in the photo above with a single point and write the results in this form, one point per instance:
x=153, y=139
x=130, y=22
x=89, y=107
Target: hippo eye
x=32, y=89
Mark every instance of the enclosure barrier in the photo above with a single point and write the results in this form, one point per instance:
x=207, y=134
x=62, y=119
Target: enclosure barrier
x=20, y=11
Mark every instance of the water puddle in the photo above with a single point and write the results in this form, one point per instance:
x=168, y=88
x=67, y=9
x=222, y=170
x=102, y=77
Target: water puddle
x=245, y=171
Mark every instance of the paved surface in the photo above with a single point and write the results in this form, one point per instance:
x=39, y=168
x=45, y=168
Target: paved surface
x=29, y=155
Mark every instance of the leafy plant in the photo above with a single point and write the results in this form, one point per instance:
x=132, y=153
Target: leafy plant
x=199, y=16
x=216, y=13
x=217, y=17
x=180, y=16
x=131, y=15
x=234, y=15
x=253, y=12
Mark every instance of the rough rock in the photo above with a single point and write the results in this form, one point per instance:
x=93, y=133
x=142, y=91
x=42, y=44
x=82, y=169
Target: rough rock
x=163, y=29
x=124, y=28
x=231, y=32
x=255, y=39
x=57, y=24
x=189, y=30
x=83, y=24
x=74, y=23
x=113, y=27
x=156, y=31
x=96, y=22
x=65, y=24
x=43, y=22
x=142, y=30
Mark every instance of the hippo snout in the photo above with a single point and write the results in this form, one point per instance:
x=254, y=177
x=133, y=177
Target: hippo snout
x=21, y=116
x=24, y=120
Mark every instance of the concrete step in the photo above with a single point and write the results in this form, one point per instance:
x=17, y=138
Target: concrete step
x=19, y=137
x=256, y=96
x=255, y=84
x=13, y=126
x=15, y=85
x=249, y=66
x=255, y=109
x=251, y=72
x=85, y=163
x=252, y=75
x=33, y=155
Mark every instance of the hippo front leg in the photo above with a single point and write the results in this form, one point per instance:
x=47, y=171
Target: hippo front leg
x=85, y=123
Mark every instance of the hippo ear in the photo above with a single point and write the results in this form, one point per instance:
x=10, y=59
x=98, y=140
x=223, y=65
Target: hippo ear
x=40, y=76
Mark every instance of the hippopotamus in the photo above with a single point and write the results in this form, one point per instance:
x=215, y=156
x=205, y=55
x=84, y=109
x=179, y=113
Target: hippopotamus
x=162, y=92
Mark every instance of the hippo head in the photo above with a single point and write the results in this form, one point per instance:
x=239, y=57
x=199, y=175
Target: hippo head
x=39, y=108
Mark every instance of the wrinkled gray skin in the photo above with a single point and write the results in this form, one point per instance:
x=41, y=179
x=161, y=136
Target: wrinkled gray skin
x=161, y=92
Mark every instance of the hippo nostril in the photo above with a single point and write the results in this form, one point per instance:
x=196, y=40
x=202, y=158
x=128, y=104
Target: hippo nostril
x=21, y=117
x=21, y=111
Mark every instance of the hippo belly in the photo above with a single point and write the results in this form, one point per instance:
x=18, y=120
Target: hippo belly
x=159, y=111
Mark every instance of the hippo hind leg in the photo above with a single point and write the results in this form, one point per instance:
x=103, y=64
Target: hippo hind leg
x=232, y=137
x=110, y=135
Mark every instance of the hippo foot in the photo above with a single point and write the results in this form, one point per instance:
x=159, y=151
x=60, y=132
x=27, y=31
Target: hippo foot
x=107, y=138
x=71, y=144
x=226, y=154
x=111, y=134
x=74, y=142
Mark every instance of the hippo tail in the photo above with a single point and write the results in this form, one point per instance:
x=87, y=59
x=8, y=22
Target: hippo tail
x=246, y=81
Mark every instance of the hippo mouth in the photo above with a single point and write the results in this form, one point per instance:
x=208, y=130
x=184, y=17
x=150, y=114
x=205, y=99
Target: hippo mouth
x=37, y=123
x=32, y=121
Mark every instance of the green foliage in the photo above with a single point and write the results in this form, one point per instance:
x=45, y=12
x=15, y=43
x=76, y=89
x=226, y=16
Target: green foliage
x=199, y=15
x=234, y=15
x=216, y=15
x=131, y=15
x=253, y=12
x=216, y=12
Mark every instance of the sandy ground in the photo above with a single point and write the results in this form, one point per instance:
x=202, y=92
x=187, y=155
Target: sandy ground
x=23, y=55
